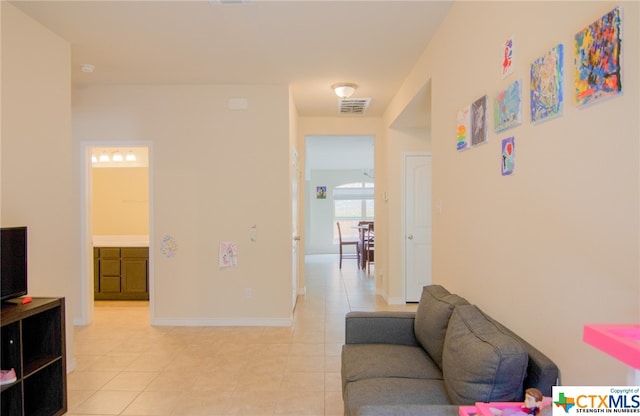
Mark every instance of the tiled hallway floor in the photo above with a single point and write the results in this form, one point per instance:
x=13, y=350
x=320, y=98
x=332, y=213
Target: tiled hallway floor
x=127, y=367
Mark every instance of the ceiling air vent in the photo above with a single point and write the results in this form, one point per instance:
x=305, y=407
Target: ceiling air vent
x=353, y=105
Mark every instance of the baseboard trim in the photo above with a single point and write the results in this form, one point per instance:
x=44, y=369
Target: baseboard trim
x=72, y=363
x=223, y=322
x=396, y=301
x=390, y=301
x=80, y=322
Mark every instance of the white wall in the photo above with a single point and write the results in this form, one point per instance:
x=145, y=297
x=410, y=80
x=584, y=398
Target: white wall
x=215, y=173
x=37, y=183
x=120, y=201
x=556, y=245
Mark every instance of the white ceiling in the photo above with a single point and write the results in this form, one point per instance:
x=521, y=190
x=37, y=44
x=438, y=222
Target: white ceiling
x=308, y=45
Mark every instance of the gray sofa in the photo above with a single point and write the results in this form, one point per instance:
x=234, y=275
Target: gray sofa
x=445, y=355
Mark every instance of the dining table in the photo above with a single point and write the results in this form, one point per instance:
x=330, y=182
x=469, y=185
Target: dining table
x=362, y=228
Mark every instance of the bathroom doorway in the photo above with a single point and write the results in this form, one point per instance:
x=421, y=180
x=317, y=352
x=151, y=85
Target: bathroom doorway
x=116, y=224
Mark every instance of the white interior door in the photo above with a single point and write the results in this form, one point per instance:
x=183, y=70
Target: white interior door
x=417, y=200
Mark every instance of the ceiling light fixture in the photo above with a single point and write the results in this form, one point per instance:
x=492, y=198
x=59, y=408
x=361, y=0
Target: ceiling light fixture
x=104, y=157
x=131, y=157
x=117, y=156
x=344, y=89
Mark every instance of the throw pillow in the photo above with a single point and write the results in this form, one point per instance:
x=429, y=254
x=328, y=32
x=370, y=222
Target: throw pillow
x=481, y=363
x=432, y=317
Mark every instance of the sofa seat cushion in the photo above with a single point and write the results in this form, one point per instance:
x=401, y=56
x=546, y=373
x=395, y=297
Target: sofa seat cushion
x=480, y=362
x=394, y=391
x=363, y=361
x=432, y=318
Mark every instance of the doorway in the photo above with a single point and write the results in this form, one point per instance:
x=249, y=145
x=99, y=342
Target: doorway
x=116, y=210
x=331, y=162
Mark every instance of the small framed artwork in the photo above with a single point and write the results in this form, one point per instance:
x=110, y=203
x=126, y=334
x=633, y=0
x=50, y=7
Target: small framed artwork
x=597, y=59
x=546, y=85
x=462, y=129
x=168, y=246
x=508, y=155
x=228, y=254
x=507, y=57
x=479, y=133
x=321, y=192
x=507, y=107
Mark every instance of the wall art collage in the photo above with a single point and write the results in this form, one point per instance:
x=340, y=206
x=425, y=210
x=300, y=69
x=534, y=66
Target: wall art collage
x=597, y=65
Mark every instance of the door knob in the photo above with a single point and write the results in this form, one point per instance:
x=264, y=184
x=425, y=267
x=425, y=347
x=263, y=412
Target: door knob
x=410, y=236
x=296, y=238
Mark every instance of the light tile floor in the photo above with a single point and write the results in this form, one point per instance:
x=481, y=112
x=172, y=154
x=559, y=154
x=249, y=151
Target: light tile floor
x=127, y=367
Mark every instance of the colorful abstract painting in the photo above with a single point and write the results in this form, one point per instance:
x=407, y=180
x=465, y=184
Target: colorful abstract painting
x=507, y=107
x=479, y=131
x=597, y=59
x=508, y=155
x=462, y=127
x=546, y=85
x=507, y=57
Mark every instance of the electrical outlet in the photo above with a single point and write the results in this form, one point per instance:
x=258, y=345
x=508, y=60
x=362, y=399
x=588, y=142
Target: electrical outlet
x=248, y=293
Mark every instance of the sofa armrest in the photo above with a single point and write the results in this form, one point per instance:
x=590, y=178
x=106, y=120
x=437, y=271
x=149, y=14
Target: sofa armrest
x=380, y=328
x=542, y=373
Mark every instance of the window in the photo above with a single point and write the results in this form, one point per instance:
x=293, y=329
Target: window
x=353, y=202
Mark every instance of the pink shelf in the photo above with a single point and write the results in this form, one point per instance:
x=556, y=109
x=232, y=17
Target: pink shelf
x=619, y=341
x=484, y=409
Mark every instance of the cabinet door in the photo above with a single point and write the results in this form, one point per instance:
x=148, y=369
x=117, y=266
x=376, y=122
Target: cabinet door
x=134, y=275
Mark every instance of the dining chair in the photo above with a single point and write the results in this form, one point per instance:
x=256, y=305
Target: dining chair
x=369, y=247
x=346, y=243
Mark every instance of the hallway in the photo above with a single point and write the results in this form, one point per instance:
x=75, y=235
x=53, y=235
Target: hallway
x=127, y=367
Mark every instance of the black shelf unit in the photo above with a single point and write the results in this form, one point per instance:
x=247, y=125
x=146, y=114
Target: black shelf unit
x=33, y=343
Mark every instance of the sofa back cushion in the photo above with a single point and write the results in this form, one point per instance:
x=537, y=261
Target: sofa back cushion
x=432, y=318
x=480, y=362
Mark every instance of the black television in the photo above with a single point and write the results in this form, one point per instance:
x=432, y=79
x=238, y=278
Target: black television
x=13, y=255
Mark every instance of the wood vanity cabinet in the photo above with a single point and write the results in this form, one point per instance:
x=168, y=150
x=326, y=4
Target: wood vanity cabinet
x=121, y=273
